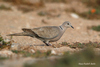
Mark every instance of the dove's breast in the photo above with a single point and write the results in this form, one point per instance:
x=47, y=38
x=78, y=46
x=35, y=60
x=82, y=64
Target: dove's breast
x=58, y=37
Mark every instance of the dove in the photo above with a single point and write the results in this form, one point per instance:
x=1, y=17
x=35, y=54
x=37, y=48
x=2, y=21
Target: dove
x=46, y=33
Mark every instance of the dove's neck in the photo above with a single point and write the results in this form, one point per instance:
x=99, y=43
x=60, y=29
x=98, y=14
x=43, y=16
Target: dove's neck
x=63, y=28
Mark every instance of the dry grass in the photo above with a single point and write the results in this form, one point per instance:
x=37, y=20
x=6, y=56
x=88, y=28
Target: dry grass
x=82, y=45
x=3, y=58
x=92, y=3
x=26, y=2
x=4, y=44
x=85, y=45
x=57, y=1
x=88, y=14
x=26, y=5
x=67, y=60
x=93, y=13
x=3, y=7
x=96, y=28
x=37, y=54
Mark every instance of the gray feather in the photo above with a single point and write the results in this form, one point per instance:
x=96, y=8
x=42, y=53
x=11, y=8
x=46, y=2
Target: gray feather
x=19, y=34
x=47, y=33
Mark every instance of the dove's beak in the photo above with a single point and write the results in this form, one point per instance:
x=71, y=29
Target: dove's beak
x=72, y=27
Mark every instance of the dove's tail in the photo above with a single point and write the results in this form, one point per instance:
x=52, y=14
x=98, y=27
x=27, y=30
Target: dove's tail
x=19, y=34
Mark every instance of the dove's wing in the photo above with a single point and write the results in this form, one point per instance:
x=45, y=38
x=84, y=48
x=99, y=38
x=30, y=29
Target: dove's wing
x=47, y=31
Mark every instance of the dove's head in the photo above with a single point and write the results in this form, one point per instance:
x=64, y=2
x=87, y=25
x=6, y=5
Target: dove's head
x=67, y=24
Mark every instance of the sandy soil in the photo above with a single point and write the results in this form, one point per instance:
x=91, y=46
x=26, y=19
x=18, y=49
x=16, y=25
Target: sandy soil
x=13, y=21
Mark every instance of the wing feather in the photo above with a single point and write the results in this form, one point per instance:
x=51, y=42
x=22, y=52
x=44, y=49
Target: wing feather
x=47, y=32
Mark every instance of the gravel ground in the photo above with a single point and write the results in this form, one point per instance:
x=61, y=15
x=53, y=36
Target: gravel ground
x=13, y=21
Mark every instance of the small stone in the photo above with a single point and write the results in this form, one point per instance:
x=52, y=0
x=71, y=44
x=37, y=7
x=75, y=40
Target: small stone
x=53, y=52
x=7, y=40
x=74, y=15
x=31, y=18
x=1, y=42
x=60, y=53
x=33, y=51
x=6, y=53
x=78, y=28
x=14, y=46
x=27, y=25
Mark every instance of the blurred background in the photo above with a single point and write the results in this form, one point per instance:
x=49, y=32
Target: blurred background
x=84, y=16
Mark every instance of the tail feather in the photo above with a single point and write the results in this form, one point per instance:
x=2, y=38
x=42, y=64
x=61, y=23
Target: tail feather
x=19, y=34
x=29, y=31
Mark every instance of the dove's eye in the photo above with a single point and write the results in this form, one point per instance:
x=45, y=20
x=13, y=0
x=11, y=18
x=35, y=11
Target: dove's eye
x=67, y=23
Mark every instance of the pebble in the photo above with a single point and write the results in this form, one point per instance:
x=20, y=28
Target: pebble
x=27, y=25
x=6, y=53
x=74, y=15
x=53, y=52
x=7, y=40
x=33, y=51
x=14, y=46
x=77, y=28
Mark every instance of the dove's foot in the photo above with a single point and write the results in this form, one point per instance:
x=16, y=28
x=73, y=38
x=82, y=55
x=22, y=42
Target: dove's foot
x=48, y=44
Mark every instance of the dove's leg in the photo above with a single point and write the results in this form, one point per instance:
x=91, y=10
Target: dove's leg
x=47, y=43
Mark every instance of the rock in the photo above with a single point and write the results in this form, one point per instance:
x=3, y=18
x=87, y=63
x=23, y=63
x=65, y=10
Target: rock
x=6, y=53
x=33, y=51
x=53, y=52
x=77, y=28
x=7, y=40
x=14, y=46
x=60, y=53
x=27, y=25
x=74, y=15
